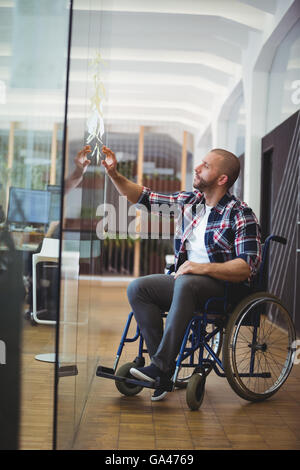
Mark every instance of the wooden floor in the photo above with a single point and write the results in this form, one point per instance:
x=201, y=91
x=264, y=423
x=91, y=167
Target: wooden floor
x=37, y=388
x=224, y=421
x=113, y=422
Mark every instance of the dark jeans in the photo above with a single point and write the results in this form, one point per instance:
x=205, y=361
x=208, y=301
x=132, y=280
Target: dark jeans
x=151, y=295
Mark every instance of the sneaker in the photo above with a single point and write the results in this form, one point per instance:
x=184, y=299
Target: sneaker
x=159, y=394
x=149, y=373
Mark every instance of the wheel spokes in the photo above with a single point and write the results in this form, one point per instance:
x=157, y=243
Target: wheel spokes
x=261, y=352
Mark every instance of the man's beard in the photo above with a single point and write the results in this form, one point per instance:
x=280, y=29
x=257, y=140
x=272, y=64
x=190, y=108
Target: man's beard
x=203, y=185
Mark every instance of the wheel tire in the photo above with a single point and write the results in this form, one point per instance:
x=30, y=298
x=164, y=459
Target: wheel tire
x=127, y=389
x=195, y=391
x=235, y=322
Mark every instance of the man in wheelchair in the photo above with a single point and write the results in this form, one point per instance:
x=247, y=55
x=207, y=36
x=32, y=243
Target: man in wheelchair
x=217, y=241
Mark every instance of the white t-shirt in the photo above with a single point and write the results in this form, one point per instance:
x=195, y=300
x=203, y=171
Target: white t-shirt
x=195, y=245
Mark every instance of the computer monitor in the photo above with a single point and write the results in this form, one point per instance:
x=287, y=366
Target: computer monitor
x=55, y=202
x=28, y=206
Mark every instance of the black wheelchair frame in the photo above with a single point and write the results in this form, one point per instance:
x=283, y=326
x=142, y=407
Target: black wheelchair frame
x=257, y=325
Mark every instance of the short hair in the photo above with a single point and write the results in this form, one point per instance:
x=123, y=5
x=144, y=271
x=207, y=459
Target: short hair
x=230, y=165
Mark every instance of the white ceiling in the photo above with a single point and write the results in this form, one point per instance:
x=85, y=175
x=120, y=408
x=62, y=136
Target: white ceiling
x=168, y=62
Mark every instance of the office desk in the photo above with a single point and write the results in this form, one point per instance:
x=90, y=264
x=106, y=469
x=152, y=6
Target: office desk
x=28, y=243
x=25, y=240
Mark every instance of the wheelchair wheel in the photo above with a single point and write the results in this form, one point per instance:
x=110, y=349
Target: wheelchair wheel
x=215, y=343
x=127, y=389
x=195, y=391
x=258, y=351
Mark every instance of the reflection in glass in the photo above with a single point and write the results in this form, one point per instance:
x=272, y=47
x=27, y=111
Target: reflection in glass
x=32, y=96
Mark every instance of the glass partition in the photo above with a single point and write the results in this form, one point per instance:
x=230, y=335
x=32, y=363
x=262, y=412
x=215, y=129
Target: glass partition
x=80, y=246
x=94, y=260
x=32, y=108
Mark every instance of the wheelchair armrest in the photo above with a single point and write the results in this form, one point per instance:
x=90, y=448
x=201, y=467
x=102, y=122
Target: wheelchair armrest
x=277, y=238
x=260, y=281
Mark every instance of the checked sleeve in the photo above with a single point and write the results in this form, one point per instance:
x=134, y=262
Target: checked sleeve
x=149, y=198
x=247, y=241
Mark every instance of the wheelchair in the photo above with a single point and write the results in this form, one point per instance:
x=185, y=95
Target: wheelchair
x=250, y=343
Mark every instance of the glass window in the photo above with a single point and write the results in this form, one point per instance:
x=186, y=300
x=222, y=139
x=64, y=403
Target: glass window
x=284, y=82
x=148, y=153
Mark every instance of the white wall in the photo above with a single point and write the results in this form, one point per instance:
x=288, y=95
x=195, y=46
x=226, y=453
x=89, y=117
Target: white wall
x=263, y=97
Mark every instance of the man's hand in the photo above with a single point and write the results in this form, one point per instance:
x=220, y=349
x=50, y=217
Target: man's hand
x=110, y=162
x=81, y=160
x=236, y=270
x=190, y=267
x=125, y=187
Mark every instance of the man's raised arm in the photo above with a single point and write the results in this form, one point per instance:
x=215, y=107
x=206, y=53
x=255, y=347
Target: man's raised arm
x=125, y=187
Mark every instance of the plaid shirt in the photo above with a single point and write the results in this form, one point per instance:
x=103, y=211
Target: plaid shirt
x=232, y=229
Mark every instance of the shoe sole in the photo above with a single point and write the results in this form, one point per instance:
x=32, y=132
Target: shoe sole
x=160, y=397
x=139, y=375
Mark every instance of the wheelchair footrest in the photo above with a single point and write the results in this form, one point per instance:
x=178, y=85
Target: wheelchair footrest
x=109, y=373
x=104, y=370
